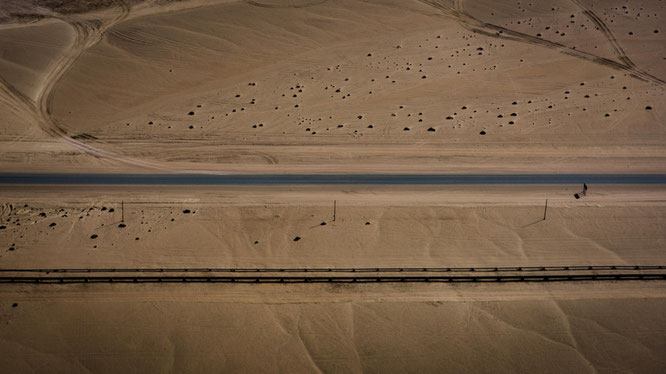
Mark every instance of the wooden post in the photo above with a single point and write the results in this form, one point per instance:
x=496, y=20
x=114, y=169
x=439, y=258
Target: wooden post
x=335, y=203
x=545, y=210
x=122, y=209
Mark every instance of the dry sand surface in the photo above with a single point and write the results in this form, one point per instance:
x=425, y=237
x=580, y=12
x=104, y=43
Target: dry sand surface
x=433, y=328
x=575, y=327
x=387, y=227
x=321, y=86
x=345, y=85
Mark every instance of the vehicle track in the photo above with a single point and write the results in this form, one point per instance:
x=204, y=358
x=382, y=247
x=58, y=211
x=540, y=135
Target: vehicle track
x=475, y=25
x=604, y=29
x=87, y=34
x=304, y=5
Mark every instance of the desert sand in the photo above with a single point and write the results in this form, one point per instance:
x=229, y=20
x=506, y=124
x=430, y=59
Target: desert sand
x=374, y=227
x=581, y=327
x=332, y=86
x=345, y=86
x=338, y=328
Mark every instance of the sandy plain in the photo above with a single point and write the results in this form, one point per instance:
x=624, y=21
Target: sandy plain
x=273, y=86
x=347, y=86
x=552, y=327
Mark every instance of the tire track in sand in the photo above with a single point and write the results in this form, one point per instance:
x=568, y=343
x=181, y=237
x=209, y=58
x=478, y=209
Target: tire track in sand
x=604, y=29
x=475, y=25
x=88, y=32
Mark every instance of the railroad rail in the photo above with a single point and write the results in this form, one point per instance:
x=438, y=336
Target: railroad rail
x=336, y=275
x=483, y=269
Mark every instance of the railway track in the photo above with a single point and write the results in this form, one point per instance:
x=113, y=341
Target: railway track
x=481, y=269
x=335, y=275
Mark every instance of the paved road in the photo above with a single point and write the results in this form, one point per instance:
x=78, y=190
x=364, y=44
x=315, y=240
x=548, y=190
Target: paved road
x=326, y=179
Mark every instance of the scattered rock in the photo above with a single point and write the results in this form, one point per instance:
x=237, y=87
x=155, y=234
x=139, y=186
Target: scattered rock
x=52, y=224
x=190, y=113
x=482, y=132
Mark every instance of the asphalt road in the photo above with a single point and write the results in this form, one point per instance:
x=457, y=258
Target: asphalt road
x=324, y=179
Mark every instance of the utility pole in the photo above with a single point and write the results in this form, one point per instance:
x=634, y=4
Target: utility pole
x=122, y=210
x=545, y=210
x=335, y=203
